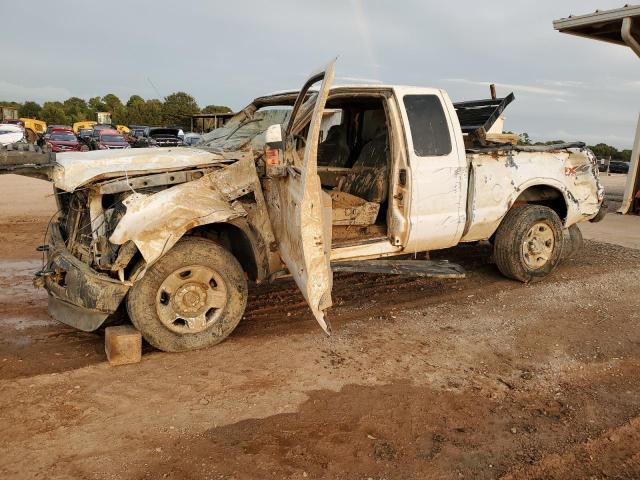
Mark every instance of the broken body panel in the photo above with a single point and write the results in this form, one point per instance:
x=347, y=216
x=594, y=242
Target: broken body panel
x=125, y=209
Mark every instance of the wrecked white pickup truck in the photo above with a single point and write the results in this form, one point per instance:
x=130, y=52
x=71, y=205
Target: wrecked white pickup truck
x=299, y=183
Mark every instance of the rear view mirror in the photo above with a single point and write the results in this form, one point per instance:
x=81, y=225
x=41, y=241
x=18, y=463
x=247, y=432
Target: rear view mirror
x=273, y=151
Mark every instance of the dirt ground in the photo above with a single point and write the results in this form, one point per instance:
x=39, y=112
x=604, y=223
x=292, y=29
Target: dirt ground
x=475, y=378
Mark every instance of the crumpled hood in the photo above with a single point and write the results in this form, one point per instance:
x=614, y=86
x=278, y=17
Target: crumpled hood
x=76, y=169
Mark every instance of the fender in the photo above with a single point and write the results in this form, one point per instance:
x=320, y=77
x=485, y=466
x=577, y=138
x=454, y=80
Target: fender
x=156, y=222
x=571, y=204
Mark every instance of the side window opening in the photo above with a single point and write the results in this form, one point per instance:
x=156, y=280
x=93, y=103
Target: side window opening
x=428, y=124
x=332, y=117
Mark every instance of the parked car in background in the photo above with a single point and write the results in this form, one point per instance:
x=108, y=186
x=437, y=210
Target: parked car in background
x=108, y=140
x=63, y=141
x=84, y=137
x=51, y=128
x=180, y=132
x=10, y=133
x=618, y=166
x=138, y=130
x=159, y=137
x=95, y=134
x=602, y=165
x=104, y=126
x=191, y=139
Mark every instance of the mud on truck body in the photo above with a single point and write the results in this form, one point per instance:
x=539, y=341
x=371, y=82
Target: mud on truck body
x=174, y=235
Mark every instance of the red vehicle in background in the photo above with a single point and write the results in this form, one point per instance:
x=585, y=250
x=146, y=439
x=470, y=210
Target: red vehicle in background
x=62, y=140
x=108, y=140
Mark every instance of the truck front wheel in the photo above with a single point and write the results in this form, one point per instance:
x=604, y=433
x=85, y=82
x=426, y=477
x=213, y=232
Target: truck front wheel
x=529, y=242
x=193, y=297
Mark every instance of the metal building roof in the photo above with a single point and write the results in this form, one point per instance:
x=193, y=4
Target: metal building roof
x=603, y=25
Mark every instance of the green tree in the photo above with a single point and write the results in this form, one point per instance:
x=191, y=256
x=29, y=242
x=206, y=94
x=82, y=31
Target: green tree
x=151, y=112
x=76, y=109
x=30, y=110
x=135, y=100
x=602, y=150
x=524, y=139
x=53, y=113
x=216, y=109
x=625, y=155
x=117, y=109
x=178, y=108
x=111, y=101
x=97, y=105
x=135, y=110
x=10, y=104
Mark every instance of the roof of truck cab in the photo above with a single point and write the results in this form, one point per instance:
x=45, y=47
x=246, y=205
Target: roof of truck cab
x=353, y=86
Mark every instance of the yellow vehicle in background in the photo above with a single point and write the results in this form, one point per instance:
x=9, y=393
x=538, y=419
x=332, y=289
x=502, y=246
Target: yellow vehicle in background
x=104, y=118
x=33, y=129
x=84, y=124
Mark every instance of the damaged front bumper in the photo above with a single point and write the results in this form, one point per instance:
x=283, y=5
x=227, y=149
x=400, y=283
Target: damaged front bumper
x=78, y=295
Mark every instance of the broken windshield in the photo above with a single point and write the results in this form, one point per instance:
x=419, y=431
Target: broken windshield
x=241, y=130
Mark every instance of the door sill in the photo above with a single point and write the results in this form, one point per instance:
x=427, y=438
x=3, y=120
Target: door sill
x=370, y=248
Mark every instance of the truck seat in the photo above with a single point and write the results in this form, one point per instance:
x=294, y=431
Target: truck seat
x=334, y=151
x=357, y=198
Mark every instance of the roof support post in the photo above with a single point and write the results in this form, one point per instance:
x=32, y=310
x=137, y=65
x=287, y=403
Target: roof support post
x=633, y=177
x=628, y=37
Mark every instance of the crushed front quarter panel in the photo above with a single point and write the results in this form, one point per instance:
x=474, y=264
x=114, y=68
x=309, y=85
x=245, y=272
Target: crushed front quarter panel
x=76, y=169
x=156, y=222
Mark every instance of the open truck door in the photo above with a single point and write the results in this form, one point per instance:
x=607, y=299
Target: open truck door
x=300, y=211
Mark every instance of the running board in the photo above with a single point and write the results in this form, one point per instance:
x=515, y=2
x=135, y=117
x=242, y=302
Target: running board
x=414, y=268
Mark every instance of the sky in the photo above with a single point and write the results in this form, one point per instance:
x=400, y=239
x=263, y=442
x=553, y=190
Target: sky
x=227, y=53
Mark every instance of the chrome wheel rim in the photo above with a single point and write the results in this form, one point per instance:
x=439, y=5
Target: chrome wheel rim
x=191, y=299
x=538, y=245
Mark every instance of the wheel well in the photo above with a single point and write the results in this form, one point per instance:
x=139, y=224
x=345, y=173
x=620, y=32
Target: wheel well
x=544, y=195
x=234, y=239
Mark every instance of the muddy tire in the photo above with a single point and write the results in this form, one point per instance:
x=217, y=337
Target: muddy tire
x=573, y=241
x=529, y=243
x=191, y=298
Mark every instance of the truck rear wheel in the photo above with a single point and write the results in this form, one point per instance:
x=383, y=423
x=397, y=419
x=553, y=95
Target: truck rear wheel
x=191, y=298
x=528, y=243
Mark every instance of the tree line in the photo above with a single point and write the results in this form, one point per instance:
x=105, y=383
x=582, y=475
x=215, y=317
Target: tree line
x=174, y=109
x=601, y=150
